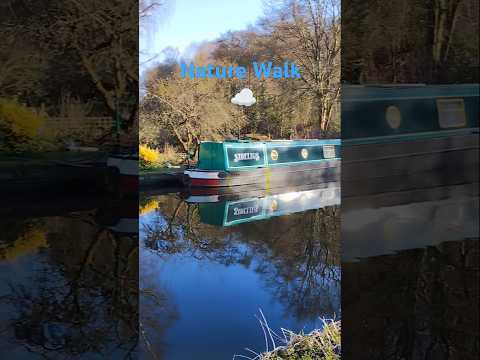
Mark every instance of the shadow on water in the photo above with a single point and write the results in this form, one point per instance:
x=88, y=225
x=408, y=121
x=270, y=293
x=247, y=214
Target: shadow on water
x=69, y=279
x=219, y=258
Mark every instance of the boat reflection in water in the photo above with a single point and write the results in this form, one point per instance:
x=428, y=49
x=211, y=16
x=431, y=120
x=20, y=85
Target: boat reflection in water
x=410, y=274
x=230, y=209
x=69, y=278
x=223, y=254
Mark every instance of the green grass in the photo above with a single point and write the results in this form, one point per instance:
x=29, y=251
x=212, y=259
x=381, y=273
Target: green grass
x=318, y=345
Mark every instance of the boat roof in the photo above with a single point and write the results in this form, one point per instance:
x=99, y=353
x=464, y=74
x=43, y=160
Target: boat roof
x=278, y=141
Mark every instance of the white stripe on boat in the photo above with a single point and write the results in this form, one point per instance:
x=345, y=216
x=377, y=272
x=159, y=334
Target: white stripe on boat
x=202, y=174
x=202, y=199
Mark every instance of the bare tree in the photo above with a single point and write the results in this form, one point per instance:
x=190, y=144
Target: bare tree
x=105, y=37
x=191, y=110
x=20, y=67
x=445, y=19
x=309, y=32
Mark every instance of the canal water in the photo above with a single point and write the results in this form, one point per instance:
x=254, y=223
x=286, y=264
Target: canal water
x=218, y=269
x=410, y=272
x=212, y=277
x=69, y=278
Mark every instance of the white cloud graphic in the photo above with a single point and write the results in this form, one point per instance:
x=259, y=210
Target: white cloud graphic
x=244, y=97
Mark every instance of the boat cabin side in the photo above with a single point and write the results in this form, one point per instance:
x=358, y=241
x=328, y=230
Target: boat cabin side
x=399, y=111
x=245, y=155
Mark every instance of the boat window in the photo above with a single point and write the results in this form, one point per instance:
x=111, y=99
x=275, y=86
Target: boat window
x=393, y=117
x=304, y=153
x=451, y=113
x=328, y=151
x=274, y=155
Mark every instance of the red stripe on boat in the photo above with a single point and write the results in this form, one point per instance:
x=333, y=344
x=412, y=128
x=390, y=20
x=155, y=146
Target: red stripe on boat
x=128, y=184
x=204, y=191
x=204, y=182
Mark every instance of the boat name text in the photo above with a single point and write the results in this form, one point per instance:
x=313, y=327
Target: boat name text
x=245, y=211
x=246, y=156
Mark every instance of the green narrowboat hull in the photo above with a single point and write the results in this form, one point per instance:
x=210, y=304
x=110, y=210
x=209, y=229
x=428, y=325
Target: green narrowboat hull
x=367, y=167
x=411, y=133
x=236, y=163
x=372, y=114
x=51, y=173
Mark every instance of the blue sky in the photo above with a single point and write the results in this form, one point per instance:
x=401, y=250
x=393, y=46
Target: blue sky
x=194, y=21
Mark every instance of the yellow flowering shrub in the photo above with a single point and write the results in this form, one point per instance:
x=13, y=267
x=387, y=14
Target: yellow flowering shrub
x=153, y=158
x=19, y=119
x=148, y=156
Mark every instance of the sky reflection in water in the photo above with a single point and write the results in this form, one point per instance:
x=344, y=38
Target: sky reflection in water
x=213, y=279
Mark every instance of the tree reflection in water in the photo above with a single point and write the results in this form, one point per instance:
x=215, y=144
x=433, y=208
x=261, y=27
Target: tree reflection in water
x=80, y=297
x=297, y=255
x=158, y=312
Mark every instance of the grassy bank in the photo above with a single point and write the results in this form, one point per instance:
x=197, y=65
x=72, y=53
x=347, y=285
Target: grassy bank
x=319, y=344
x=324, y=344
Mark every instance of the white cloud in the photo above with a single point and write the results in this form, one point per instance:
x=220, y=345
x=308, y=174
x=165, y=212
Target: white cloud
x=244, y=97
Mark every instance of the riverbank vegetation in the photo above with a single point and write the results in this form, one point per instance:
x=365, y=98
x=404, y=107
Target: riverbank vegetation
x=152, y=159
x=19, y=127
x=60, y=61
x=181, y=112
x=321, y=344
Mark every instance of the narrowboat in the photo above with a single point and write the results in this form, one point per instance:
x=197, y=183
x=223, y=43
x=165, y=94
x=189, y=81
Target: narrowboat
x=123, y=173
x=411, y=133
x=52, y=172
x=265, y=164
x=232, y=209
x=410, y=167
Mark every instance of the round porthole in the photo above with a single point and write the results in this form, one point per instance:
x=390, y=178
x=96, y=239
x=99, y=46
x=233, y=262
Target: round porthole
x=393, y=117
x=274, y=205
x=274, y=155
x=304, y=153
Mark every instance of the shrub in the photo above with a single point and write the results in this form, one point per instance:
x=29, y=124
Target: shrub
x=152, y=158
x=148, y=157
x=19, y=129
x=19, y=119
